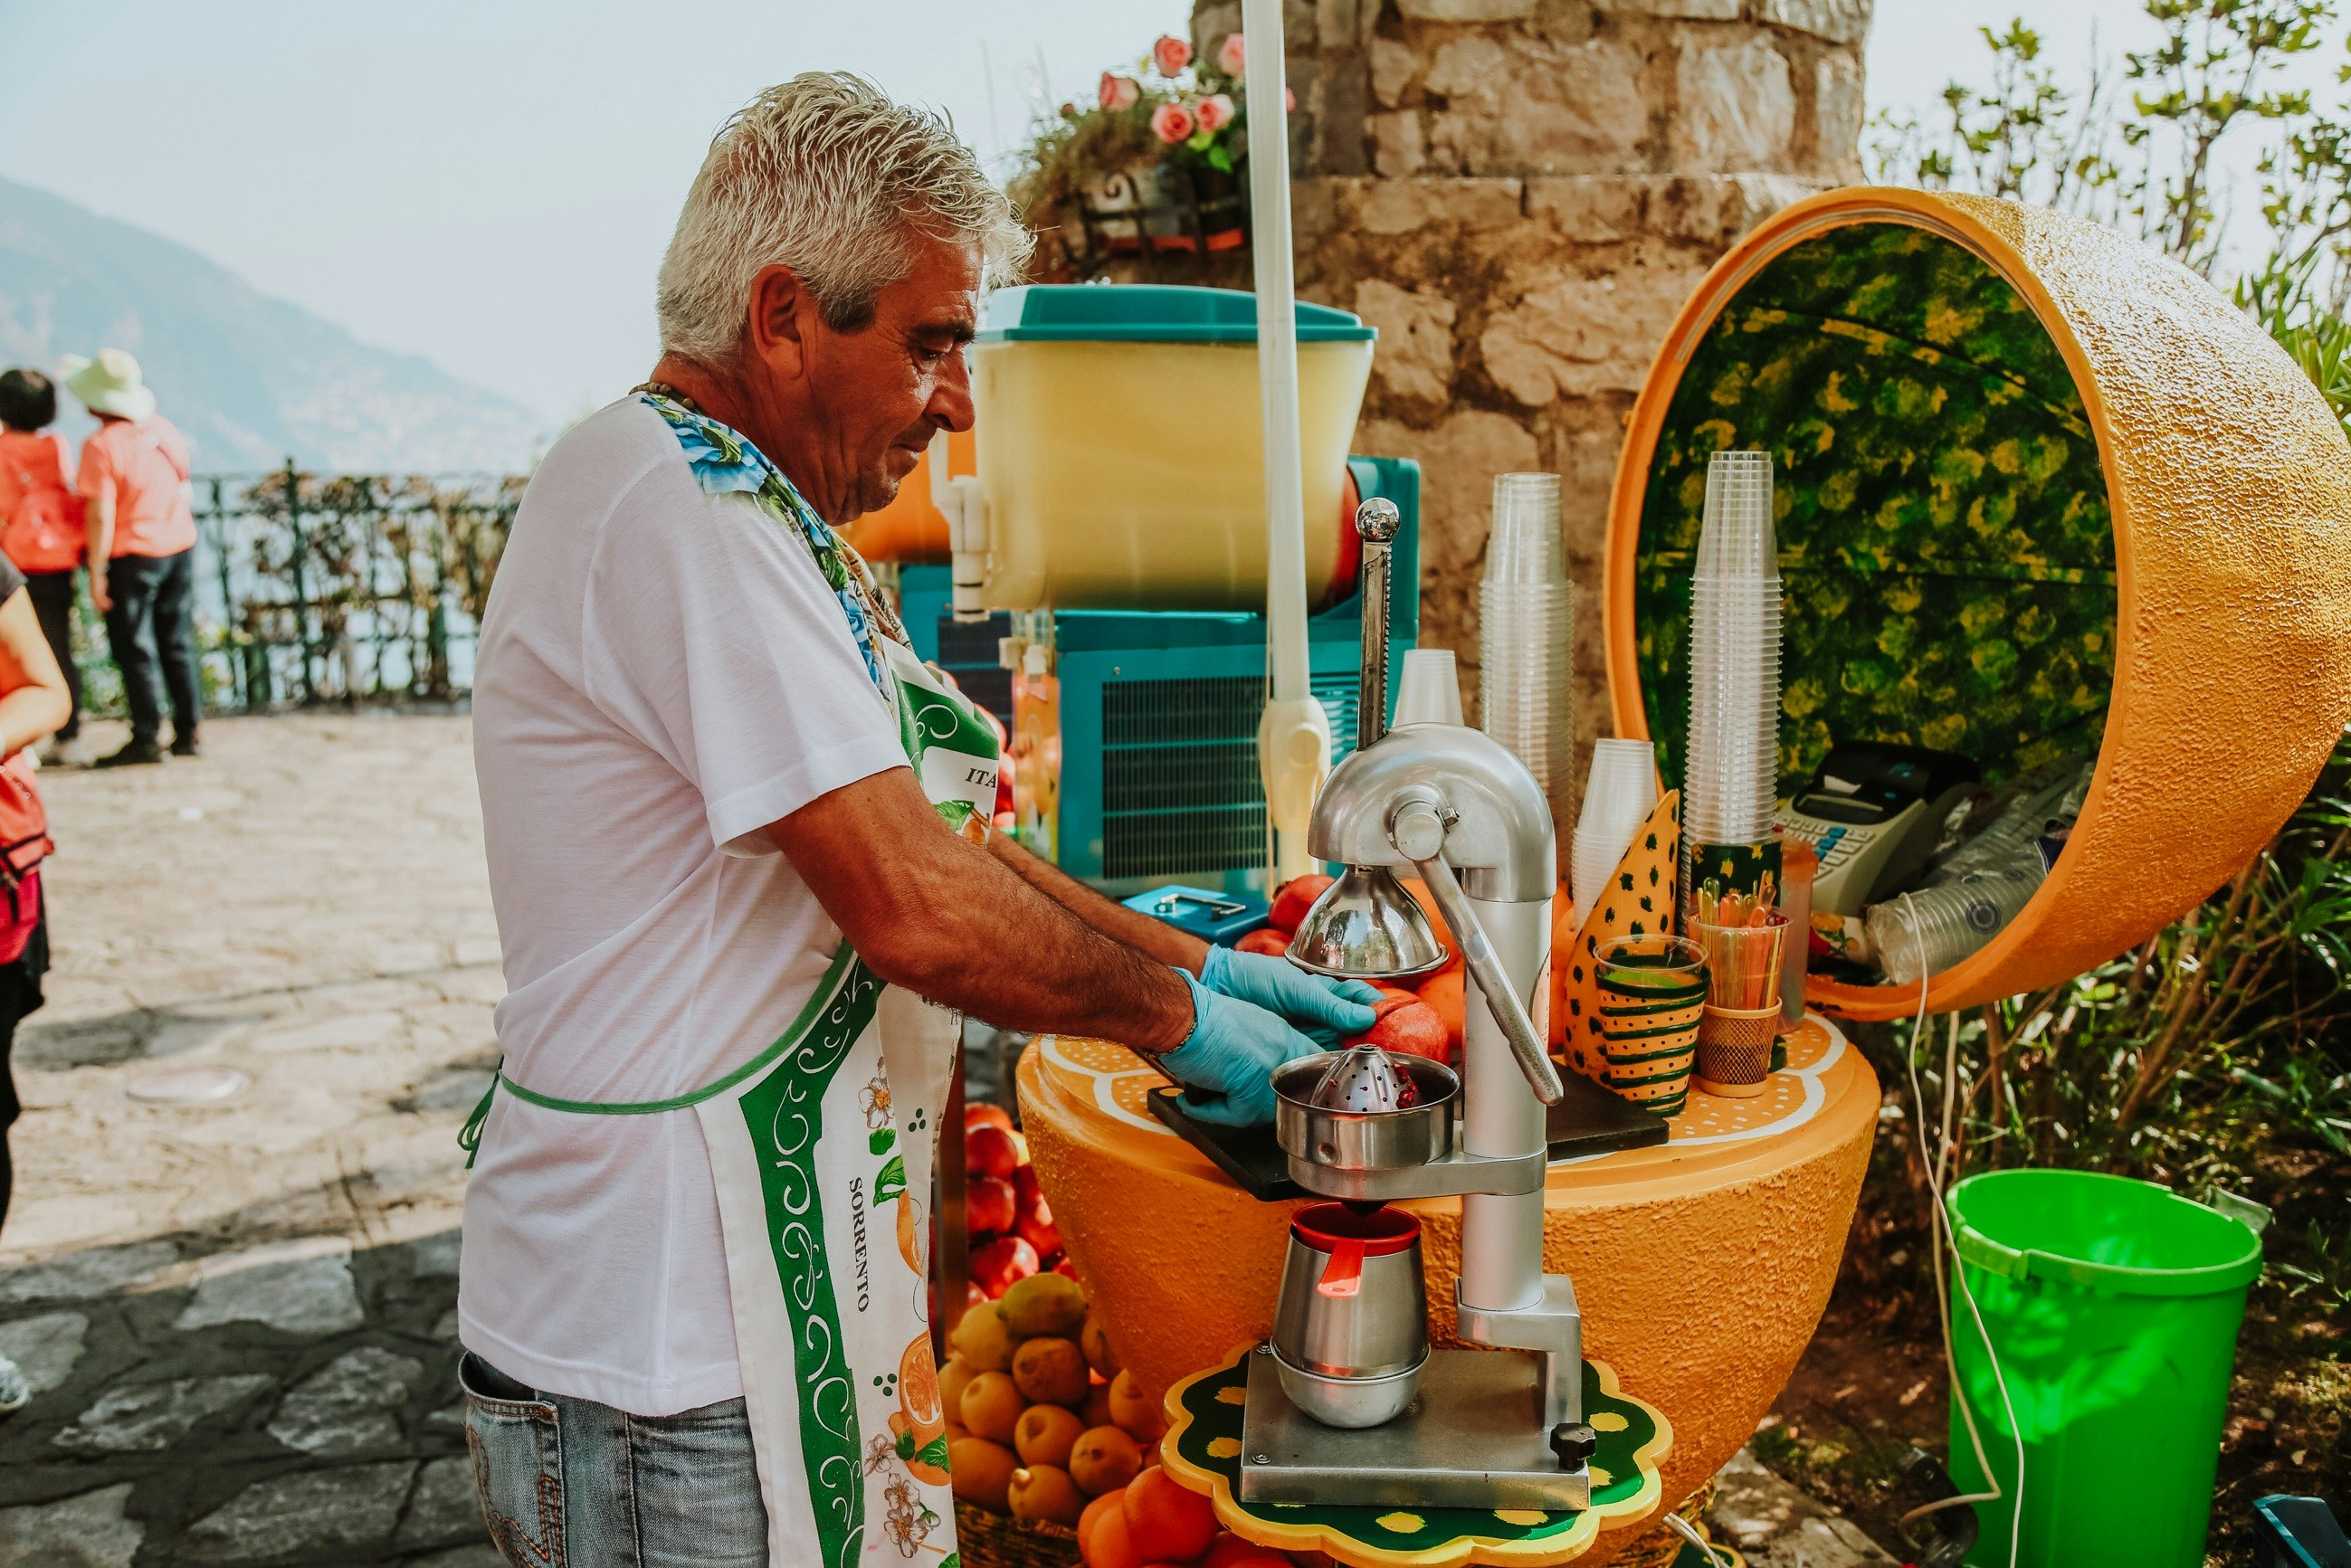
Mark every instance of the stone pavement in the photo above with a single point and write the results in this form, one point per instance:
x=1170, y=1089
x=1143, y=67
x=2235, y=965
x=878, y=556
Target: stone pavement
x=238, y=1317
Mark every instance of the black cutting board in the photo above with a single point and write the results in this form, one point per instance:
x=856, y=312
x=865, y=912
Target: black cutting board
x=1588, y=1120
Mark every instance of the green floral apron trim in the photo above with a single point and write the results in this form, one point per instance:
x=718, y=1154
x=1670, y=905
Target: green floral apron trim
x=784, y=1117
x=1946, y=550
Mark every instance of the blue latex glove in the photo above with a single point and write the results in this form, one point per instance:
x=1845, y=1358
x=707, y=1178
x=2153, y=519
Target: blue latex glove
x=1232, y=1053
x=1326, y=1012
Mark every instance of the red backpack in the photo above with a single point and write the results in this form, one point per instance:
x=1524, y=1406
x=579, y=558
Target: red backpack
x=25, y=844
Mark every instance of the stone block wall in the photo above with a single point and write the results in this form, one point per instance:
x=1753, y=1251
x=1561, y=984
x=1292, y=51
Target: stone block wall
x=1519, y=195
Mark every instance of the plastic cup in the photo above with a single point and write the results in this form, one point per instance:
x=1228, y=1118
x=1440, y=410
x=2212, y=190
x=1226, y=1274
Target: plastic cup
x=1731, y=772
x=1524, y=543
x=1619, y=793
x=1526, y=641
x=1743, y=963
x=1652, y=990
x=1430, y=692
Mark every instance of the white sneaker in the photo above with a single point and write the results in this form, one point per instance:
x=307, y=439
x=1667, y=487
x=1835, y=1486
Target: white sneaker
x=15, y=1392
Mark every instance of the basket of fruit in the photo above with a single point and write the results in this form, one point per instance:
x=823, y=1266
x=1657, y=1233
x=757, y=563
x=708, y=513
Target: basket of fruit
x=1041, y=1421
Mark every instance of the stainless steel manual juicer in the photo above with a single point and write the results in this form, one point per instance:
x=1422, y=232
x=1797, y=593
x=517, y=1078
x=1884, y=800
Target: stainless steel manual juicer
x=1502, y=1426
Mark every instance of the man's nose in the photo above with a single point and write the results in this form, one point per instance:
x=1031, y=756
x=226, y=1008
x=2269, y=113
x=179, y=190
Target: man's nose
x=950, y=404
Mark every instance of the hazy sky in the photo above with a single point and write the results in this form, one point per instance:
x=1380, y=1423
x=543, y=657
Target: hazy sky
x=489, y=182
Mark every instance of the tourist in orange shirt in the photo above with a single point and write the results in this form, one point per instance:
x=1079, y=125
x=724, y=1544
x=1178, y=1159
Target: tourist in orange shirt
x=142, y=549
x=40, y=521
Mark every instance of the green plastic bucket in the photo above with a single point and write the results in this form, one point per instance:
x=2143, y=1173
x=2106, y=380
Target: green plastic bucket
x=2113, y=1307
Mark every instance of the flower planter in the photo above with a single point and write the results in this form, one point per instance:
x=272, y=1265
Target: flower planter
x=1162, y=208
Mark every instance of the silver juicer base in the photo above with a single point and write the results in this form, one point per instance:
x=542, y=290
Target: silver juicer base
x=1472, y=1438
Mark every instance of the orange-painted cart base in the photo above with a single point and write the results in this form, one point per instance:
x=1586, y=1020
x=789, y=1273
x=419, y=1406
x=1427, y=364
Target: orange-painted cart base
x=1702, y=1264
x=1203, y=1450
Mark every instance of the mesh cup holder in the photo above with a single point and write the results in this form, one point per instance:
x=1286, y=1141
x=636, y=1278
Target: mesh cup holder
x=1734, y=1049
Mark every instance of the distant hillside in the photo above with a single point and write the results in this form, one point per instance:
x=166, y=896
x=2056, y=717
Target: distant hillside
x=251, y=380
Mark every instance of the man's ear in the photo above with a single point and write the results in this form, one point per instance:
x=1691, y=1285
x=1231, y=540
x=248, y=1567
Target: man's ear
x=782, y=316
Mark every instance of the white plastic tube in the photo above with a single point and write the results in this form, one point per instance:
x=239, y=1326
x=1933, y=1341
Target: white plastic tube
x=1293, y=739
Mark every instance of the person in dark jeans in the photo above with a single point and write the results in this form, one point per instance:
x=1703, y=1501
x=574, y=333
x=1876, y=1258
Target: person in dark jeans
x=152, y=621
x=142, y=549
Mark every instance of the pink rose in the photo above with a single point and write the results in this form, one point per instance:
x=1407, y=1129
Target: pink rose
x=1214, y=112
x=1172, y=121
x=1231, y=55
x=1171, y=54
x=1120, y=92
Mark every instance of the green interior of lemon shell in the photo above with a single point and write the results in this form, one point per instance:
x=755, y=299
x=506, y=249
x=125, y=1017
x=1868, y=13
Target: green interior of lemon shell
x=1946, y=558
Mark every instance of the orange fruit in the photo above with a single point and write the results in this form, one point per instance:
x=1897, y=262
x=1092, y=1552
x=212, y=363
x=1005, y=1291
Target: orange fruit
x=991, y=1407
x=1095, y=1411
x=1166, y=1521
x=982, y=1472
x=1103, y=1460
x=1447, y=995
x=1044, y=1492
x=990, y=1151
x=1293, y=898
x=1044, y=1436
x=1135, y=1410
x=1110, y=1543
x=1051, y=1371
x=1109, y=1503
x=1415, y=1028
x=954, y=1378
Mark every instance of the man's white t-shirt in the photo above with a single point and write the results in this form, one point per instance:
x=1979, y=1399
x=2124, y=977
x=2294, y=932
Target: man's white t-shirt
x=663, y=673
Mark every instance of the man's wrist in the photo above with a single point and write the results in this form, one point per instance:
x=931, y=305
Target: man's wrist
x=1184, y=1022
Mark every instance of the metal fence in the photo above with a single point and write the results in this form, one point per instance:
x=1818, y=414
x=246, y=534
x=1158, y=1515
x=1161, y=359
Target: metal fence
x=339, y=587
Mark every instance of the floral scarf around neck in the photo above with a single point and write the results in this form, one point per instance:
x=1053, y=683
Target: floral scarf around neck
x=725, y=461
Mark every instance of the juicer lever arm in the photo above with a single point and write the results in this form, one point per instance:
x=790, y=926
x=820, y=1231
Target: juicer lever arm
x=1417, y=828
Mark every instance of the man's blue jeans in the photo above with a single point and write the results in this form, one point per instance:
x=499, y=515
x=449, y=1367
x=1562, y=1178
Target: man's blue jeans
x=569, y=1483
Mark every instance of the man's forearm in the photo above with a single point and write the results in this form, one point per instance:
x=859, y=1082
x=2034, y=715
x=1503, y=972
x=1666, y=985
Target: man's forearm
x=1138, y=931
x=938, y=915
x=1023, y=961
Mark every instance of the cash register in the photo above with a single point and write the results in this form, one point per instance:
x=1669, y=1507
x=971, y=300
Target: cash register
x=1874, y=810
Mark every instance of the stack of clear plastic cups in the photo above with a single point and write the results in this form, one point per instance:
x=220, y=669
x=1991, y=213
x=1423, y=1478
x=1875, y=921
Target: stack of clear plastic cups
x=1618, y=796
x=1926, y=932
x=1526, y=638
x=1730, y=776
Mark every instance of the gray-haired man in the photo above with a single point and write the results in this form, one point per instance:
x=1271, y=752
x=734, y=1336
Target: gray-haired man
x=737, y=837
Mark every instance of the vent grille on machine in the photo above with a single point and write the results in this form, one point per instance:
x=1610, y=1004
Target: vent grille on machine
x=1181, y=794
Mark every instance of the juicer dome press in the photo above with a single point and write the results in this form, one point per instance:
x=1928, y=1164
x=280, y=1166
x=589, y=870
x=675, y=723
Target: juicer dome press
x=1500, y=1425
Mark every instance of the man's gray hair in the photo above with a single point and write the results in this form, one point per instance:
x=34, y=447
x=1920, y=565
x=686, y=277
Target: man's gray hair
x=827, y=176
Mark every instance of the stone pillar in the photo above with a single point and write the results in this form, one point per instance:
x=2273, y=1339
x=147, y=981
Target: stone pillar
x=1519, y=195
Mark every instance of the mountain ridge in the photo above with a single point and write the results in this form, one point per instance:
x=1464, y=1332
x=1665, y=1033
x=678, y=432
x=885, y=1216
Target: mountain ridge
x=252, y=380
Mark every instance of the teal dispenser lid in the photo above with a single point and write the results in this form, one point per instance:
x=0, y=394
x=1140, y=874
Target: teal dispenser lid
x=1148, y=313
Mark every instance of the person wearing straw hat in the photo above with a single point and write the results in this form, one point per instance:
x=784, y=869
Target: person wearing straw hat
x=142, y=549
